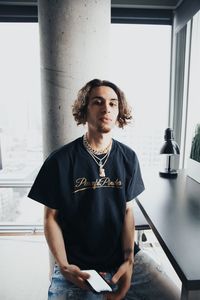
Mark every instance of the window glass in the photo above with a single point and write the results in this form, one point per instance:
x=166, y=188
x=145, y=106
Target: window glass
x=20, y=120
x=140, y=65
x=17, y=209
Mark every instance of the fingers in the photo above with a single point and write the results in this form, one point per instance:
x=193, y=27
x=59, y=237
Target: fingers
x=75, y=275
x=83, y=275
x=82, y=283
x=120, y=272
x=124, y=268
x=80, y=278
x=75, y=271
x=123, y=279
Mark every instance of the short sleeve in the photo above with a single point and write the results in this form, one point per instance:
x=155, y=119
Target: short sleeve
x=45, y=187
x=135, y=184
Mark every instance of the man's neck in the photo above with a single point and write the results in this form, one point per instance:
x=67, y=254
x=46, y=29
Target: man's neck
x=98, y=141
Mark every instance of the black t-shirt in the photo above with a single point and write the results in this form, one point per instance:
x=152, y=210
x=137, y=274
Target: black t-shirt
x=91, y=208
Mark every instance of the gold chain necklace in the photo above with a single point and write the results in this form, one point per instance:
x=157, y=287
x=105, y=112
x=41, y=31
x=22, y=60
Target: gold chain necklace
x=95, y=152
x=99, y=161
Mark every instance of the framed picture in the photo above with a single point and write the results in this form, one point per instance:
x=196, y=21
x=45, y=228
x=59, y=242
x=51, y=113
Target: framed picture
x=193, y=169
x=193, y=115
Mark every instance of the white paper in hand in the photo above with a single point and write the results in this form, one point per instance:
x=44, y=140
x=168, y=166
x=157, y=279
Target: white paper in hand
x=97, y=282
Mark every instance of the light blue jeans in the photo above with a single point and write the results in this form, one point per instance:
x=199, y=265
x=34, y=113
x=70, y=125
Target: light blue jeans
x=149, y=282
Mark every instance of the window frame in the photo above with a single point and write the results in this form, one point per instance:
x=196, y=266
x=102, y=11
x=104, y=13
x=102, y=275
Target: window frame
x=124, y=15
x=19, y=13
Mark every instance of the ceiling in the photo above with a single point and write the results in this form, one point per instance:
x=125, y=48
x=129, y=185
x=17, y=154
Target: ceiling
x=147, y=4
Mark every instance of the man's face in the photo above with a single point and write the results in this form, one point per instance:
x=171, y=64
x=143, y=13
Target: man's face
x=103, y=109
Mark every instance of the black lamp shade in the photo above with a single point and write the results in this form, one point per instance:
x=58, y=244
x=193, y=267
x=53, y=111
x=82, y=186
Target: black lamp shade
x=170, y=147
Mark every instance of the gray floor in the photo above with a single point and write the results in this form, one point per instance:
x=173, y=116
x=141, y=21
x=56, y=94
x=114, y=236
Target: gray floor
x=24, y=266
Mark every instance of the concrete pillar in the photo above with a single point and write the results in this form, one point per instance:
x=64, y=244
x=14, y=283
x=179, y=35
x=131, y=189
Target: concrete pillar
x=74, y=40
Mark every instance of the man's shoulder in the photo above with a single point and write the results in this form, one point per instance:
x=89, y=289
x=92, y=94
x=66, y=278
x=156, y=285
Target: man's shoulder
x=125, y=149
x=64, y=150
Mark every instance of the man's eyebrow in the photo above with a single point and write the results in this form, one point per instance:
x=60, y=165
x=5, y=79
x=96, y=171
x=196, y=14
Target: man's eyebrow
x=102, y=98
x=97, y=97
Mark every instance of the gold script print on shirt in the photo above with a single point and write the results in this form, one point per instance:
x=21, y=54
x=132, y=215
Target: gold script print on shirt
x=83, y=184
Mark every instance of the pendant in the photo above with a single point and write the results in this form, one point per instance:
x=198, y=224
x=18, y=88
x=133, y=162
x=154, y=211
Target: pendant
x=102, y=172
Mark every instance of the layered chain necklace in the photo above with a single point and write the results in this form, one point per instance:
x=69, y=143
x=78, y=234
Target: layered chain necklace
x=94, y=154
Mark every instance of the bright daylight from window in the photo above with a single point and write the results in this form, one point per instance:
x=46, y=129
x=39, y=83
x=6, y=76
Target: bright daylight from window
x=140, y=58
x=140, y=62
x=20, y=121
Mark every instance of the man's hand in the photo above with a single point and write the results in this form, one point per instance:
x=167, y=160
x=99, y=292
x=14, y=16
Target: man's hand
x=76, y=276
x=123, y=278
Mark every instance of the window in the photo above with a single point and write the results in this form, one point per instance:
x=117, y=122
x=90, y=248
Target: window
x=20, y=122
x=140, y=65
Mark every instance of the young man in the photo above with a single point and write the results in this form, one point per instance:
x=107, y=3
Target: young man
x=87, y=187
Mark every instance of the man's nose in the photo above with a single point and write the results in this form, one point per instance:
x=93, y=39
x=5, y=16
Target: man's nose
x=106, y=107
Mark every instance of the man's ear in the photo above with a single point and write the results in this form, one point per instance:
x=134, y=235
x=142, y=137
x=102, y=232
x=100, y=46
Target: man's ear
x=117, y=121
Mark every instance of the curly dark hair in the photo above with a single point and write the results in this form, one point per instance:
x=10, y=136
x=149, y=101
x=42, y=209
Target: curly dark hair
x=79, y=109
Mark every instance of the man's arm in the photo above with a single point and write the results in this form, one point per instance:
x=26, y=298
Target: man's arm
x=128, y=235
x=124, y=273
x=54, y=236
x=56, y=245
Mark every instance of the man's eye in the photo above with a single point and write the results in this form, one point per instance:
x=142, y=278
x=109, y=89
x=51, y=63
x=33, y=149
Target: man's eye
x=113, y=104
x=97, y=101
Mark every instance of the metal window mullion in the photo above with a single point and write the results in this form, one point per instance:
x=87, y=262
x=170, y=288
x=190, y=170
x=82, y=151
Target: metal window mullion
x=186, y=94
x=7, y=184
x=20, y=229
x=177, y=87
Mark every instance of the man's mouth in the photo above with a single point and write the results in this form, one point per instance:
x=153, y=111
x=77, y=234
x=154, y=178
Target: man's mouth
x=105, y=119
